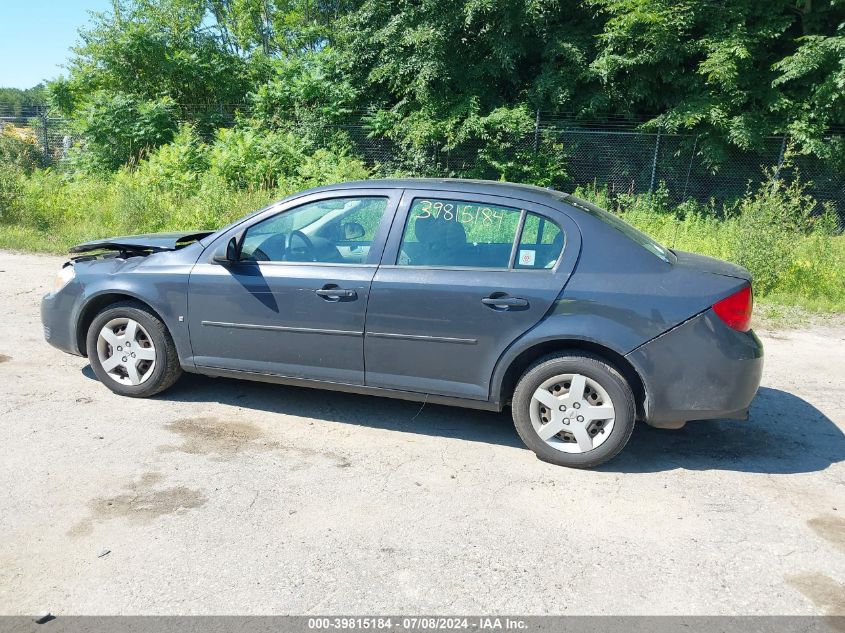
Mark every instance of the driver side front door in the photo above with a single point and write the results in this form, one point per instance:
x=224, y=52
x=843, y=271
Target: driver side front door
x=295, y=304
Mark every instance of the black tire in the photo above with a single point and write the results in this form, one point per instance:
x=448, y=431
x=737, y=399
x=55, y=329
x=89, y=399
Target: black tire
x=167, y=369
x=592, y=367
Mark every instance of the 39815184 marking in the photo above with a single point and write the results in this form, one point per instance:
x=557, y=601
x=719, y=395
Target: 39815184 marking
x=464, y=213
x=417, y=623
x=350, y=623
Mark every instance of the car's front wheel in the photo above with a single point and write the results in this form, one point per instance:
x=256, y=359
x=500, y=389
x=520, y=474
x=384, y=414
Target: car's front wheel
x=574, y=409
x=131, y=351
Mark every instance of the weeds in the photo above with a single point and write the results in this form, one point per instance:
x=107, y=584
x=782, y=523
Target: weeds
x=777, y=232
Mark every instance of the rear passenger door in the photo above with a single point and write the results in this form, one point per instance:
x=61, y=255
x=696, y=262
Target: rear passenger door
x=462, y=276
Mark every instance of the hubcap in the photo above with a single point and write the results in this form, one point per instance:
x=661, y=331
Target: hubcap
x=572, y=413
x=126, y=351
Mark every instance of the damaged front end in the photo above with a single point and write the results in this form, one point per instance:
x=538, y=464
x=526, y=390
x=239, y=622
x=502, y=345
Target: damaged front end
x=134, y=245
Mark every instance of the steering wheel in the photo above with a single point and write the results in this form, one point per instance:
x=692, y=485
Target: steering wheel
x=271, y=249
x=307, y=248
x=259, y=256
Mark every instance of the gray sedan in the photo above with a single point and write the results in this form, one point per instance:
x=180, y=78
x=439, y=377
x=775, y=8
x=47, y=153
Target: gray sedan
x=468, y=293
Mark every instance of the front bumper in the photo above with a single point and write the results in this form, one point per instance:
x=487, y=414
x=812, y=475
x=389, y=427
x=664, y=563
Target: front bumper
x=58, y=320
x=699, y=370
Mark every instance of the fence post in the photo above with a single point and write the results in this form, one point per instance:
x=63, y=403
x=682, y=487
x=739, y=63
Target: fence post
x=689, y=169
x=654, y=162
x=537, y=132
x=44, y=125
x=776, y=175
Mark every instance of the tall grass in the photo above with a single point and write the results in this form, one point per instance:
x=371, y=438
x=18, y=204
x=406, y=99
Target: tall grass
x=778, y=233
x=184, y=184
x=808, y=271
x=781, y=234
x=52, y=212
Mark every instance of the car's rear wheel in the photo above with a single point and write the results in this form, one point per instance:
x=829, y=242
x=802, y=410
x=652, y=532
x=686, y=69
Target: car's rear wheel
x=574, y=409
x=131, y=351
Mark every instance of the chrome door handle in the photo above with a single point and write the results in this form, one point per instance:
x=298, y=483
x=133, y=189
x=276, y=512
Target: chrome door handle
x=505, y=302
x=335, y=294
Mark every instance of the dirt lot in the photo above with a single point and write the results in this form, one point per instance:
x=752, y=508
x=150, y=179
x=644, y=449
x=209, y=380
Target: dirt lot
x=234, y=497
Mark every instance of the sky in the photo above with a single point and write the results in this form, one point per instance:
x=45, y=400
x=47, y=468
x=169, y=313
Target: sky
x=36, y=35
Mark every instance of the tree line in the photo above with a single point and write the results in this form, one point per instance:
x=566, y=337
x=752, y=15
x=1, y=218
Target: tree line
x=15, y=102
x=445, y=72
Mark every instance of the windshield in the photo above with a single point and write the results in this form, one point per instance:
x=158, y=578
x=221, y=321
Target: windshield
x=620, y=225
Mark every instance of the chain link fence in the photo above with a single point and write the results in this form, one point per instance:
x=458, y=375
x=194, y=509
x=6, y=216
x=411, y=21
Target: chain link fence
x=52, y=135
x=625, y=161
x=612, y=154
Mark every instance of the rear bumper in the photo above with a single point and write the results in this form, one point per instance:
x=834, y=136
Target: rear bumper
x=700, y=370
x=57, y=319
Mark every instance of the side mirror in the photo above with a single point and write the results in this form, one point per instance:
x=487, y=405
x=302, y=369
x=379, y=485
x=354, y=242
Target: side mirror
x=352, y=231
x=229, y=254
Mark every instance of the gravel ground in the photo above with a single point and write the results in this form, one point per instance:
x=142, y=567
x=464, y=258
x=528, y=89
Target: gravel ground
x=222, y=497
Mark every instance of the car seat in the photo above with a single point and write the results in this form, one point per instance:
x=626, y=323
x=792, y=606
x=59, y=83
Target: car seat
x=441, y=242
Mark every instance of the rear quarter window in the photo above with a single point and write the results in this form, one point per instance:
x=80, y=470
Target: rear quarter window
x=540, y=244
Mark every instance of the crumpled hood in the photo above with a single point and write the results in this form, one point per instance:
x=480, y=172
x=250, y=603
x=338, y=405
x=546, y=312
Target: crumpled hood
x=150, y=242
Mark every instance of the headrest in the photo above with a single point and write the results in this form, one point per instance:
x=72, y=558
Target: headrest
x=430, y=230
x=425, y=229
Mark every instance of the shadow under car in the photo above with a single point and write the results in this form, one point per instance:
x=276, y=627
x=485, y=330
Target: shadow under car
x=784, y=433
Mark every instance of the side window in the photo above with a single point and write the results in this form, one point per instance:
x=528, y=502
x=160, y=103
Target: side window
x=540, y=244
x=458, y=234
x=337, y=230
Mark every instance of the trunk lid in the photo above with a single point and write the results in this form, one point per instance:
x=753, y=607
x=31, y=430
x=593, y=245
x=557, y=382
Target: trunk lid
x=706, y=264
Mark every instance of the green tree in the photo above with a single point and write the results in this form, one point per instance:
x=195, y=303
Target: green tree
x=731, y=72
x=442, y=77
x=716, y=68
x=812, y=81
x=153, y=49
x=119, y=128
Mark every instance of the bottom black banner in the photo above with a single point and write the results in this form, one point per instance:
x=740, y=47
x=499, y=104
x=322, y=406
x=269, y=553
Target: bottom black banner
x=48, y=623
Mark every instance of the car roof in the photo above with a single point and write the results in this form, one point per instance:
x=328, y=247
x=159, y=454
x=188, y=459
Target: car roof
x=530, y=193
x=490, y=187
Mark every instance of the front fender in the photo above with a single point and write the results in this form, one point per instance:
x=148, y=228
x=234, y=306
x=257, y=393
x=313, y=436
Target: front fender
x=160, y=283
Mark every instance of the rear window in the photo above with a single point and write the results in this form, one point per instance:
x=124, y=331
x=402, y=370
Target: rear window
x=462, y=234
x=454, y=233
x=651, y=245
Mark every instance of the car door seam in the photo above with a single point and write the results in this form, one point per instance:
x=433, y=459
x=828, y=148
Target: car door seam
x=396, y=207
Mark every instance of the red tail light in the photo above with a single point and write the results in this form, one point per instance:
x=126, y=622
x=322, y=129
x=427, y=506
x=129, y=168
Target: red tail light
x=735, y=310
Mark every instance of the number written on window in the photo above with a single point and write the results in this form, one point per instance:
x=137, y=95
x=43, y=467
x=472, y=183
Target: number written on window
x=458, y=234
